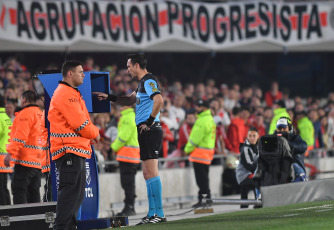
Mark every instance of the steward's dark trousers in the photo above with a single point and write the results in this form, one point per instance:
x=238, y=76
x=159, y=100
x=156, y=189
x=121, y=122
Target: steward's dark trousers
x=245, y=186
x=128, y=173
x=202, y=180
x=72, y=182
x=4, y=193
x=25, y=185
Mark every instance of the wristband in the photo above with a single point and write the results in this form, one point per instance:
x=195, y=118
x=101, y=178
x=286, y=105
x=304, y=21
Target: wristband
x=150, y=121
x=112, y=98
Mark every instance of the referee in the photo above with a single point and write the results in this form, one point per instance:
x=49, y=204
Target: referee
x=148, y=104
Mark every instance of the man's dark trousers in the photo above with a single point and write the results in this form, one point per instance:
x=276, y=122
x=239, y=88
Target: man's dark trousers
x=25, y=185
x=202, y=180
x=4, y=193
x=72, y=182
x=128, y=175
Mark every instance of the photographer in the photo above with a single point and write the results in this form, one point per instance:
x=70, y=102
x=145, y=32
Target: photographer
x=297, y=145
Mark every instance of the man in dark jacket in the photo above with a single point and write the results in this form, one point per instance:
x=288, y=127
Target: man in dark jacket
x=298, y=147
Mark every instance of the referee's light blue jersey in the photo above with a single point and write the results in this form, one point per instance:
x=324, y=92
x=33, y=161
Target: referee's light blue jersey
x=147, y=89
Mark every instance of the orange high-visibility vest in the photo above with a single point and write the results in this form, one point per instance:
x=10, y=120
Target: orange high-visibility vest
x=129, y=154
x=126, y=143
x=46, y=153
x=71, y=129
x=25, y=143
x=202, y=139
x=202, y=155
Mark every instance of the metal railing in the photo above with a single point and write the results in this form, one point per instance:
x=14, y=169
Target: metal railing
x=313, y=154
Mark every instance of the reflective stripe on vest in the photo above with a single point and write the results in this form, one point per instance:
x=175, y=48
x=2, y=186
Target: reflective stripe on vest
x=26, y=162
x=202, y=155
x=59, y=151
x=28, y=146
x=129, y=154
x=19, y=140
x=45, y=168
x=65, y=135
x=3, y=154
x=6, y=168
x=33, y=147
x=82, y=126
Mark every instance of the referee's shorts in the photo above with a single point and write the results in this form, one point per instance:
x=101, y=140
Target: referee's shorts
x=150, y=141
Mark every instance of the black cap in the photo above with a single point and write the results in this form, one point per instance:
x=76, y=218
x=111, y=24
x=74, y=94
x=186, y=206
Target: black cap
x=280, y=103
x=202, y=102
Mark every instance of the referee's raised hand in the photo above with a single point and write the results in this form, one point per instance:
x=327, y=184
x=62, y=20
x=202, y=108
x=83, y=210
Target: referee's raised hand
x=101, y=96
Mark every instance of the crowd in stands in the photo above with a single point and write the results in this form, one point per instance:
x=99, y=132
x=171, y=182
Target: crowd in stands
x=235, y=109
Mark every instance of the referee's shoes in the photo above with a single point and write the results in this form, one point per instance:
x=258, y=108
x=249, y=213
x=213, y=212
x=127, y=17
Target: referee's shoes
x=152, y=220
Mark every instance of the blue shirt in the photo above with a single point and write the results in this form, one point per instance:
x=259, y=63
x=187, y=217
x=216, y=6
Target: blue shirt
x=147, y=89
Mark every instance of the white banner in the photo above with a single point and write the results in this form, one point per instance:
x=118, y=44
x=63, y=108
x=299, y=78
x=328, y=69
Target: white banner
x=141, y=25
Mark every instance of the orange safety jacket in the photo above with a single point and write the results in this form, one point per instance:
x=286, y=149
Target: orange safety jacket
x=202, y=156
x=45, y=145
x=126, y=143
x=71, y=129
x=201, y=142
x=25, y=143
x=5, y=127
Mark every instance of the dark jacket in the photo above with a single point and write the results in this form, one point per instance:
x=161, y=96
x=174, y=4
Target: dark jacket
x=249, y=155
x=298, y=146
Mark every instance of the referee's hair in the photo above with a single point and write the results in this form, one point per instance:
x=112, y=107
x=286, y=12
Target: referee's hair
x=138, y=58
x=69, y=65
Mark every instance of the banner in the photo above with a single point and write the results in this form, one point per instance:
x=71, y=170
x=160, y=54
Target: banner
x=142, y=25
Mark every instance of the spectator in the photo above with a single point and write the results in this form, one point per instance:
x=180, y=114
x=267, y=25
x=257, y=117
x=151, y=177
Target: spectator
x=245, y=100
x=313, y=116
x=279, y=111
x=176, y=112
x=245, y=114
x=169, y=121
x=330, y=130
x=305, y=129
x=221, y=112
x=188, y=90
x=273, y=95
x=289, y=103
x=236, y=87
x=236, y=131
x=267, y=117
x=89, y=64
x=200, y=91
x=324, y=129
x=99, y=157
x=167, y=136
x=184, y=133
x=231, y=100
x=224, y=90
x=10, y=109
x=259, y=124
x=185, y=130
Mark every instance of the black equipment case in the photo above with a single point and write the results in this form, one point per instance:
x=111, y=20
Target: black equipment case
x=36, y=216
